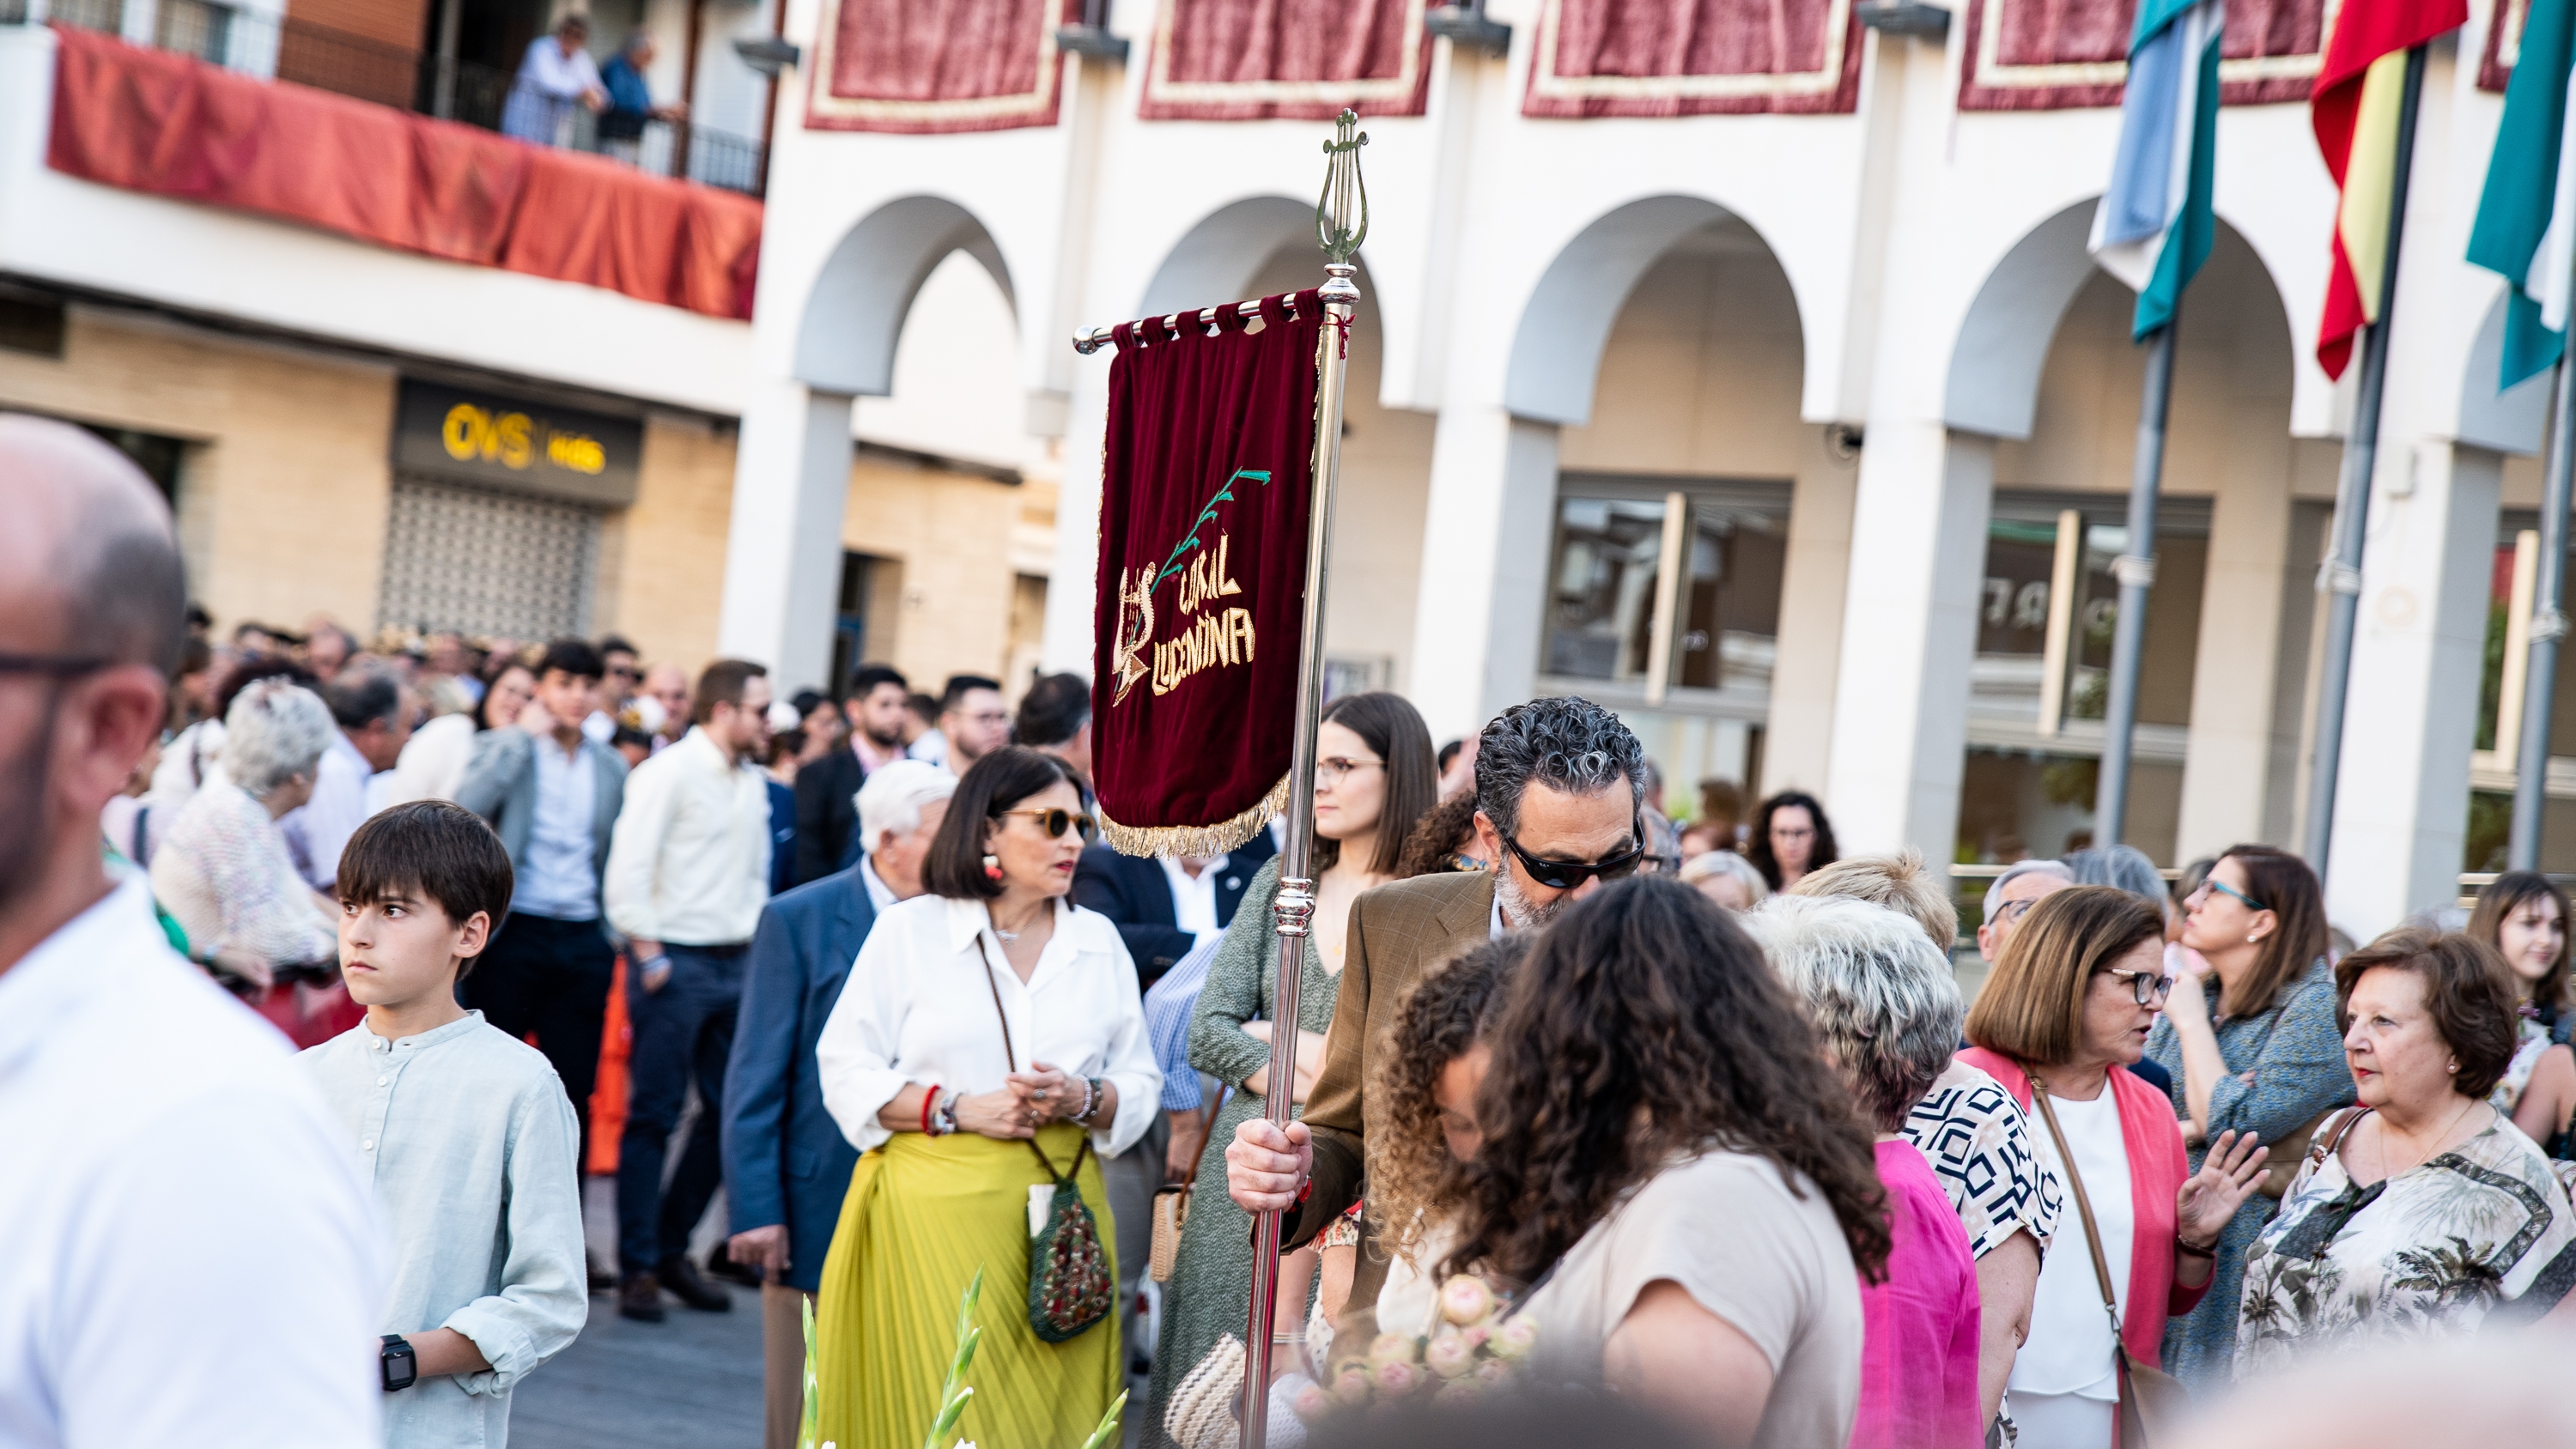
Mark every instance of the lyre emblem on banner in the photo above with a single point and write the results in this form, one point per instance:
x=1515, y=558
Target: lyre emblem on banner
x=1201, y=579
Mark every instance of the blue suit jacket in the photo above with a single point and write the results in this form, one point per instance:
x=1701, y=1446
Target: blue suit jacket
x=1136, y=896
x=785, y=1160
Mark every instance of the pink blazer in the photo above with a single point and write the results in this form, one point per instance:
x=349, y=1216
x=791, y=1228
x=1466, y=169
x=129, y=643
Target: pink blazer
x=2152, y=1138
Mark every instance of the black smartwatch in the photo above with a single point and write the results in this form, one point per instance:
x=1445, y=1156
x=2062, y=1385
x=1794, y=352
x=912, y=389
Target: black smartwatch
x=397, y=1364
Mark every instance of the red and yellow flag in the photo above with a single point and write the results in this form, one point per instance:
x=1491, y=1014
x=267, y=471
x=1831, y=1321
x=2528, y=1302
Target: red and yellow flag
x=2360, y=89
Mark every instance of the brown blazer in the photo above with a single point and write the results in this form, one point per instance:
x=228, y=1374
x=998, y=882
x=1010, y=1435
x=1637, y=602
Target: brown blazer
x=1397, y=932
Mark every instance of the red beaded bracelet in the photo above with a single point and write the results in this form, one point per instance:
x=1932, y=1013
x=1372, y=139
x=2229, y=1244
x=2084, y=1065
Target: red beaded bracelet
x=929, y=1100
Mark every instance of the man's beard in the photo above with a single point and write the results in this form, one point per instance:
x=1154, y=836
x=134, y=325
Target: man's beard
x=890, y=740
x=23, y=783
x=1519, y=910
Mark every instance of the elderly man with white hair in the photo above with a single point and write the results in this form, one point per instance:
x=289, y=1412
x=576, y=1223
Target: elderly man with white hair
x=1886, y=1002
x=2010, y=895
x=224, y=872
x=786, y=1164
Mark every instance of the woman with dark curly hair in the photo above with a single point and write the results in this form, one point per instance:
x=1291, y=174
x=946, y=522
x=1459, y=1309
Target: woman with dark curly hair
x=1435, y=1063
x=1791, y=837
x=1690, y=1190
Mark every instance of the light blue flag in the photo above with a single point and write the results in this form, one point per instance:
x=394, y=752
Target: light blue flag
x=2154, y=225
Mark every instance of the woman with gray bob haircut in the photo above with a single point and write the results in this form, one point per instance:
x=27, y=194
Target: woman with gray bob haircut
x=1882, y=998
x=224, y=873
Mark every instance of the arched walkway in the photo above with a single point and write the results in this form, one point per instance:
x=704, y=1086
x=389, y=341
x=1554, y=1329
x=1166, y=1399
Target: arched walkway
x=855, y=311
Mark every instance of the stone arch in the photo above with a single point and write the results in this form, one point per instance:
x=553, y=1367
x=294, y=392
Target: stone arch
x=1217, y=259
x=2003, y=342
x=1556, y=348
x=855, y=312
x=2514, y=420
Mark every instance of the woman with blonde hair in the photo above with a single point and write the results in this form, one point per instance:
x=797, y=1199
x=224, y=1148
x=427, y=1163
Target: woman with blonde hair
x=1899, y=882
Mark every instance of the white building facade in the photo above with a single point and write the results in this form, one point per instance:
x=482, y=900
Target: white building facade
x=1848, y=376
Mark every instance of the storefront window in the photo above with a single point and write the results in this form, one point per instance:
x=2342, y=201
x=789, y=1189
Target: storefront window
x=1604, y=596
x=2040, y=683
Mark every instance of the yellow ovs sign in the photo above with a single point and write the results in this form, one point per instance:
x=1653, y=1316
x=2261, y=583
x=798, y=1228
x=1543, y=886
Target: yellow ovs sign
x=512, y=439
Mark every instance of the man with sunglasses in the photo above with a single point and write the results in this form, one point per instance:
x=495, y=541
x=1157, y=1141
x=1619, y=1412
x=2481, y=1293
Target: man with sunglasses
x=193, y=1251
x=1559, y=794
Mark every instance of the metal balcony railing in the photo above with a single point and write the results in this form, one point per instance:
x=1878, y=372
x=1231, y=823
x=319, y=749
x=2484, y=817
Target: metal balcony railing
x=287, y=49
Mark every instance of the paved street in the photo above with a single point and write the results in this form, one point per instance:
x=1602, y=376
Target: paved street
x=689, y=1382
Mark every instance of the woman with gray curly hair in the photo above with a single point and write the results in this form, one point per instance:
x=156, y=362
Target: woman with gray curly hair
x=1888, y=1010
x=224, y=873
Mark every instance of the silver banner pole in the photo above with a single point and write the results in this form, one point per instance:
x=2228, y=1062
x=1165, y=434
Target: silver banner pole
x=2135, y=568
x=1341, y=224
x=2340, y=578
x=2548, y=626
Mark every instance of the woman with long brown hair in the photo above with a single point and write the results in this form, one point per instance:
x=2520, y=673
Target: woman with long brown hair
x=2250, y=1038
x=2523, y=915
x=1689, y=1188
x=1374, y=778
x=2067, y=1008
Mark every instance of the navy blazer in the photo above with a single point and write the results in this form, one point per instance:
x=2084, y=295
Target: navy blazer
x=1136, y=896
x=785, y=1160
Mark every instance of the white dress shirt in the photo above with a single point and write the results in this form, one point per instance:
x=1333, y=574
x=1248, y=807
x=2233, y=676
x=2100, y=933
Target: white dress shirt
x=432, y=762
x=558, y=877
x=193, y=1257
x=471, y=1143
x=1193, y=899
x=317, y=830
x=880, y=895
x=689, y=860
x=917, y=1009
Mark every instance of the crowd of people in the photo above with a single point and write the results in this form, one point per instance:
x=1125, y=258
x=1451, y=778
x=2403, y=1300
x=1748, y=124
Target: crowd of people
x=1693, y=1113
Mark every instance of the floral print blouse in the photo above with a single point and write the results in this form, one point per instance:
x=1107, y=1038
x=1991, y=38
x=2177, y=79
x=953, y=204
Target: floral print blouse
x=2481, y=1229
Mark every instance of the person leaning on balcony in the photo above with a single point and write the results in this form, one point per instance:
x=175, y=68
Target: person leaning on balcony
x=556, y=76
x=630, y=100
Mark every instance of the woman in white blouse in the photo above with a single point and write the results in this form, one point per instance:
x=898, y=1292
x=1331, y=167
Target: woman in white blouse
x=983, y=1019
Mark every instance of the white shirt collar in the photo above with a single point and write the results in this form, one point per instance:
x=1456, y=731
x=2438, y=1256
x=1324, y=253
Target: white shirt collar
x=880, y=895
x=82, y=955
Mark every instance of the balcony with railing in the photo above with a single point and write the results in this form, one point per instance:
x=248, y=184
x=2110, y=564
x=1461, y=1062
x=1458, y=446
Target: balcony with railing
x=247, y=113
x=257, y=43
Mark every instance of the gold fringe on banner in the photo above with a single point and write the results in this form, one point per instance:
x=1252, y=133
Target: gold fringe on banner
x=1218, y=839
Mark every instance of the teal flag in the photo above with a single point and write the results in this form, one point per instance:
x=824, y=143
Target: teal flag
x=2527, y=217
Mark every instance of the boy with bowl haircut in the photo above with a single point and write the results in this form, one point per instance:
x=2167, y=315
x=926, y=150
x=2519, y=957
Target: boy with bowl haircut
x=465, y=1131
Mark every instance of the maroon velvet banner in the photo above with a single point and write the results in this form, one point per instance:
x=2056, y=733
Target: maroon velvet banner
x=1251, y=60
x=921, y=66
x=2054, y=55
x=1201, y=586
x=1693, y=58
x=2504, y=44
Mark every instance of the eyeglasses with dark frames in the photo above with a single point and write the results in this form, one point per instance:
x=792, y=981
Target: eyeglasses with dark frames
x=2145, y=987
x=1330, y=773
x=1565, y=875
x=1055, y=821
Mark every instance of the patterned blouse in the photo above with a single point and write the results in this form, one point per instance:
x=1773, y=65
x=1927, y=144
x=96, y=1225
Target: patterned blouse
x=1978, y=1143
x=2431, y=1252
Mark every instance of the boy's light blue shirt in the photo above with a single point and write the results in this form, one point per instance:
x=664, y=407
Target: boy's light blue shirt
x=470, y=1141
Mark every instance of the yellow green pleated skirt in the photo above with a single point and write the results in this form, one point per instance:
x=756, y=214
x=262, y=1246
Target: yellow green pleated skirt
x=922, y=1215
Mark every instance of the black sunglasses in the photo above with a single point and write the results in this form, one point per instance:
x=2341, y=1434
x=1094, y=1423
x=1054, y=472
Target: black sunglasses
x=1056, y=821
x=51, y=667
x=1565, y=875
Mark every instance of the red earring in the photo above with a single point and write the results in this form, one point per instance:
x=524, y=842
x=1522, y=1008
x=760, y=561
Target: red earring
x=992, y=867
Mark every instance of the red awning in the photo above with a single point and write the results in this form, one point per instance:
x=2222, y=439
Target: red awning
x=172, y=125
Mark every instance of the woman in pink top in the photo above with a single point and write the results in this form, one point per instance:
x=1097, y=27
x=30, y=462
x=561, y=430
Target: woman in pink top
x=1888, y=1009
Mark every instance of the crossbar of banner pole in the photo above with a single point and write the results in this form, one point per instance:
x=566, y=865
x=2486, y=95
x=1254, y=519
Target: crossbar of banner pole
x=1091, y=341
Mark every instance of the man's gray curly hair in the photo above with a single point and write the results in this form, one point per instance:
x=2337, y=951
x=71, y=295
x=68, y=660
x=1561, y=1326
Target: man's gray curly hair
x=1570, y=744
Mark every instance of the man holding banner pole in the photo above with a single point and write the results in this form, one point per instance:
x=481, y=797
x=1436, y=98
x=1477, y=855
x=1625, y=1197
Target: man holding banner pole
x=2523, y=230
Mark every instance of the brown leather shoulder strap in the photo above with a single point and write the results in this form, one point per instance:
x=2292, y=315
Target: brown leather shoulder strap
x=1011, y=1057
x=2083, y=1203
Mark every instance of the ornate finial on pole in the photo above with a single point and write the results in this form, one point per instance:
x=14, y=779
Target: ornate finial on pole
x=1341, y=213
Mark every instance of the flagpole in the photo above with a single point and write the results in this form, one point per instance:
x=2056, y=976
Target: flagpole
x=2340, y=577
x=2548, y=626
x=2135, y=568
x=1341, y=224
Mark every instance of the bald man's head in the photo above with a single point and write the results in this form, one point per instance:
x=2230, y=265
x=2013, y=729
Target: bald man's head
x=89, y=566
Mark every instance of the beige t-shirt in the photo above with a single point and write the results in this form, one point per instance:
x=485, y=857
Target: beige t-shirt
x=1726, y=1228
